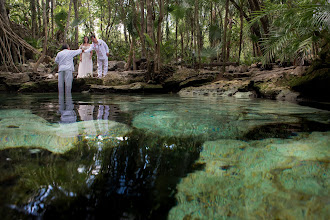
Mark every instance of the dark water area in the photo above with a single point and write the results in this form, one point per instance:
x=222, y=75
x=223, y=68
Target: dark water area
x=134, y=180
x=132, y=176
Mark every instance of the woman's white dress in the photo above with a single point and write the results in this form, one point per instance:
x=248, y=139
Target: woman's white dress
x=86, y=64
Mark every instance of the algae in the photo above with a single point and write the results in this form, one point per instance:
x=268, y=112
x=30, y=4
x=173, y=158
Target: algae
x=272, y=179
x=29, y=130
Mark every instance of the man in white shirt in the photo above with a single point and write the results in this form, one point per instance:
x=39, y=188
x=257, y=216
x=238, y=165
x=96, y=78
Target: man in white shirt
x=64, y=59
x=102, y=52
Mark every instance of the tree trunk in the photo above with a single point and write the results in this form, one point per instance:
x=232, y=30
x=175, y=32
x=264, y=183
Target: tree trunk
x=91, y=29
x=143, y=55
x=198, y=34
x=241, y=32
x=157, y=65
x=76, y=16
x=3, y=12
x=224, y=40
x=33, y=17
x=39, y=19
x=264, y=20
x=182, y=47
x=150, y=20
x=47, y=10
x=123, y=17
x=44, y=49
x=130, y=55
x=67, y=23
x=52, y=16
x=150, y=32
x=176, y=41
x=230, y=21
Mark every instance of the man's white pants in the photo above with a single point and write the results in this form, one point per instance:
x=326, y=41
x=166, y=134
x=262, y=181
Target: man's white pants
x=65, y=78
x=102, y=66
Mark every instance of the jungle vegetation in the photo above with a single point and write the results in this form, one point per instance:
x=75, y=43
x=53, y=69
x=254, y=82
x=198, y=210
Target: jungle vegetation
x=168, y=32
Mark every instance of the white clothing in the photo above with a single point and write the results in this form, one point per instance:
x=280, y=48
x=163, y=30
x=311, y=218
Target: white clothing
x=86, y=112
x=64, y=59
x=65, y=79
x=102, y=66
x=85, y=68
x=68, y=115
x=101, y=49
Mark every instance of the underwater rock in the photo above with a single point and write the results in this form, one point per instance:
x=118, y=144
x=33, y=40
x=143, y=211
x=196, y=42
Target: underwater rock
x=272, y=179
x=219, y=118
x=29, y=130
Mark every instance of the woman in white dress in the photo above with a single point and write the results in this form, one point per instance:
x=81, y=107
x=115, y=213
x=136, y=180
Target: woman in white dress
x=86, y=64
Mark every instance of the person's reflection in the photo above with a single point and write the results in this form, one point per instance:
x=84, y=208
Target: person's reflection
x=86, y=112
x=103, y=112
x=66, y=108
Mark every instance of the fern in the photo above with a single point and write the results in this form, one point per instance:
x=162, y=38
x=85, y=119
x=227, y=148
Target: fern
x=293, y=29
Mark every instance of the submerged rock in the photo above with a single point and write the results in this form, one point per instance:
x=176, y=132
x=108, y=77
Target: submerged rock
x=216, y=118
x=29, y=130
x=272, y=179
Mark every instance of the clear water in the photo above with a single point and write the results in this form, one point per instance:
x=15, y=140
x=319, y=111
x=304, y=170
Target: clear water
x=162, y=157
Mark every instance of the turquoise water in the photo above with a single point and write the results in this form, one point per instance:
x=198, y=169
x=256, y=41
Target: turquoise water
x=162, y=157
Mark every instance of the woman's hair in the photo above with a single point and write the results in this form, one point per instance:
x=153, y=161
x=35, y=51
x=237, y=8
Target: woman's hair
x=84, y=39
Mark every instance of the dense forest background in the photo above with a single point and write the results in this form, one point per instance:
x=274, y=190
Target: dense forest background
x=169, y=32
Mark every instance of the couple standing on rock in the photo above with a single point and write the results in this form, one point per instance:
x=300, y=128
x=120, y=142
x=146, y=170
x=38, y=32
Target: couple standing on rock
x=64, y=59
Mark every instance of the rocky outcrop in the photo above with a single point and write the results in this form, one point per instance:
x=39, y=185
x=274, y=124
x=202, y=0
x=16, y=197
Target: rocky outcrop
x=78, y=85
x=133, y=87
x=280, y=83
x=184, y=77
x=116, y=78
x=272, y=84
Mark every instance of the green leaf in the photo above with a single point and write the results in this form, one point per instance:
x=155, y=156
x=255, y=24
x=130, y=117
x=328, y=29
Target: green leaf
x=149, y=40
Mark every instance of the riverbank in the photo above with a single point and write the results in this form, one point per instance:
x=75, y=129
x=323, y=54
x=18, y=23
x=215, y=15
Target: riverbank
x=292, y=83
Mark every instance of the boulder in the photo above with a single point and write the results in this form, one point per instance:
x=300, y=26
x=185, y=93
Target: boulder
x=121, y=65
x=231, y=69
x=189, y=77
x=243, y=68
x=287, y=95
x=117, y=78
x=51, y=86
x=112, y=66
x=133, y=87
x=14, y=78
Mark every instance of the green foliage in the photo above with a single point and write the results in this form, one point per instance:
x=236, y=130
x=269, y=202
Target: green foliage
x=77, y=22
x=168, y=50
x=294, y=29
x=60, y=19
x=176, y=11
x=36, y=43
x=149, y=40
x=215, y=33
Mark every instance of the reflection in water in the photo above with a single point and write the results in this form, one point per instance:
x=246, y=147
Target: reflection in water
x=148, y=171
x=103, y=112
x=66, y=108
x=86, y=112
x=136, y=179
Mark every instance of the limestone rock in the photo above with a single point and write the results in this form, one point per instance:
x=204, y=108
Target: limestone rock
x=29, y=130
x=14, y=78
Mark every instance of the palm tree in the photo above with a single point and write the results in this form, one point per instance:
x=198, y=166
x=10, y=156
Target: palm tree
x=295, y=32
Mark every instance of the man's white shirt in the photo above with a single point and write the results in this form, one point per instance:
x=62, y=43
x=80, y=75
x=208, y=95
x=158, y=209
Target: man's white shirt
x=64, y=59
x=101, y=49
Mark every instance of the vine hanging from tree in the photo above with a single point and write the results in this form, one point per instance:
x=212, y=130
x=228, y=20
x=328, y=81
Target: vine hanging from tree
x=13, y=47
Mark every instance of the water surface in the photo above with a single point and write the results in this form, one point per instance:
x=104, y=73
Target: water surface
x=161, y=157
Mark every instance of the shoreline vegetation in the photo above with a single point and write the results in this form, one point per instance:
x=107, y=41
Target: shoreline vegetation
x=290, y=83
x=231, y=48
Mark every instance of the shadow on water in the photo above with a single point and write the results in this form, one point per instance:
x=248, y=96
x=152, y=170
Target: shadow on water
x=284, y=130
x=136, y=180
